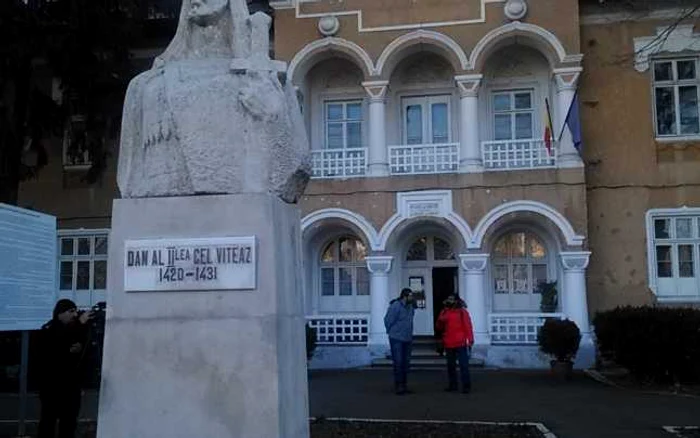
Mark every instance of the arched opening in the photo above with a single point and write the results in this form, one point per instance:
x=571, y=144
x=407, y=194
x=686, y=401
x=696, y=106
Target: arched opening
x=515, y=97
x=520, y=262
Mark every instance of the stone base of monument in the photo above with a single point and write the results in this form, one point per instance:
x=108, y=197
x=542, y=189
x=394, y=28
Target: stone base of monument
x=195, y=346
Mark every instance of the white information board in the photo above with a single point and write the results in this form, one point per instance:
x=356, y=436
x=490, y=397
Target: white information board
x=27, y=268
x=220, y=263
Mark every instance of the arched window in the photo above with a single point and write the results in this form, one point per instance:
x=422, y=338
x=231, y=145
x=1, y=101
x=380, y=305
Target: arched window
x=343, y=268
x=519, y=263
x=429, y=248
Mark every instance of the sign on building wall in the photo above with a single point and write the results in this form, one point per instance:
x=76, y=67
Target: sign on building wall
x=224, y=263
x=27, y=268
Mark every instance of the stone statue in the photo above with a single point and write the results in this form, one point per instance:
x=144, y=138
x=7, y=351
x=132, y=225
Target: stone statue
x=214, y=115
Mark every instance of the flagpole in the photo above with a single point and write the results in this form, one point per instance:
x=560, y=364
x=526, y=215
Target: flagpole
x=568, y=112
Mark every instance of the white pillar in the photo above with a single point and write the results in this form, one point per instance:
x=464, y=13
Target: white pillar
x=474, y=268
x=469, y=145
x=566, y=80
x=378, y=164
x=575, y=304
x=379, y=267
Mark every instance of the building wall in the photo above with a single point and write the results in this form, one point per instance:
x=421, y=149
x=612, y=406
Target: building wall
x=628, y=172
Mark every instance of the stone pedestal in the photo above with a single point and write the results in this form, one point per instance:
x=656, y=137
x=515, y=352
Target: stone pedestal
x=222, y=363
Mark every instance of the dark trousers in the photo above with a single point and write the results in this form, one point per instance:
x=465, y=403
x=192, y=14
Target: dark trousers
x=62, y=405
x=461, y=354
x=401, y=356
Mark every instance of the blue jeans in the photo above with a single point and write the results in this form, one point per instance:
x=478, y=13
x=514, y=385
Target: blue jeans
x=401, y=356
x=461, y=354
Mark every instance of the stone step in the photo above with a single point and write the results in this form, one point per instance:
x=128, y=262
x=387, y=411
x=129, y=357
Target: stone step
x=435, y=362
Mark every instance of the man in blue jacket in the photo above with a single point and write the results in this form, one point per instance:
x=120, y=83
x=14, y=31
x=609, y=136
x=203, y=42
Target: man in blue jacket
x=398, y=322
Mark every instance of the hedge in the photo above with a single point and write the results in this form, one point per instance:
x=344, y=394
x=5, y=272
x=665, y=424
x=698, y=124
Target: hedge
x=653, y=343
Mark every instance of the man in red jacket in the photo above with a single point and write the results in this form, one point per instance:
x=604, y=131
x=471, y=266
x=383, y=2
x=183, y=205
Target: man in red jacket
x=458, y=337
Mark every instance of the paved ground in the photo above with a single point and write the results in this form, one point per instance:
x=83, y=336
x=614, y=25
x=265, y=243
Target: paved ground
x=581, y=408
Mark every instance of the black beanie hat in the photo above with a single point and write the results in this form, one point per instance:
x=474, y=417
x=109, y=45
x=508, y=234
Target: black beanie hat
x=63, y=305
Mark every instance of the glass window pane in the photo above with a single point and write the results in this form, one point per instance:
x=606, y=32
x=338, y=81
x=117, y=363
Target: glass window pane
x=501, y=102
x=502, y=127
x=354, y=111
x=100, y=280
x=665, y=111
x=663, y=71
x=517, y=244
x=84, y=246
x=83, y=279
x=539, y=275
x=346, y=249
x=439, y=123
x=662, y=228
x=442, y=250
x=334, y=111
x=688, y=97
x=500, y=277
x=360, y=251
x=685, y=261
x=66, y=276
x=101, y=245
x=327, y=282
x=414, y=124
x=520, y=279
x=335, y=136
x=523, y=125
x=684, y=228
x=523, y=101
x=536, y=248
x=663, y=261
x=329, y=254
x=345, y=282
x=686, y=69
x=67, y=246
x=362, y=281
x=501, y=247
x=354, y=134
x=418, y=251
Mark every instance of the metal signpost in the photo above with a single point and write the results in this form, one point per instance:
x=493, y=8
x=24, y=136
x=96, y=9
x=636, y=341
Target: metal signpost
x=27, y=280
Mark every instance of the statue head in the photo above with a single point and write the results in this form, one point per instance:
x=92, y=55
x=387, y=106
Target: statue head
x=229, y=18
x=206, y=12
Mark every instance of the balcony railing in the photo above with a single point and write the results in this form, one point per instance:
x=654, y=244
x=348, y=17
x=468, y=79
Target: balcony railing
x=517, y=328
x=340, y=329
x=424, y=158
x=517, y=154
x=339, y=163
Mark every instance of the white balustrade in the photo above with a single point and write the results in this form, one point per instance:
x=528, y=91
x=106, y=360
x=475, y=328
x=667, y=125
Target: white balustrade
x=517, y=328
x=424, y=158
x=517, y=154
x=339, y=163
x=340, y=329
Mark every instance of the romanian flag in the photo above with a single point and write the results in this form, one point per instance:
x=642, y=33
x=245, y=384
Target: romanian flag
x=548, y=130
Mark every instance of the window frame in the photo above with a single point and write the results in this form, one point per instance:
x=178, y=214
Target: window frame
x=510, y=262
x=337, y=265
x=675, y=84
x=75, y=258
x=534, y=110
x=426, y=103
x=344, y=122
x=674, y=242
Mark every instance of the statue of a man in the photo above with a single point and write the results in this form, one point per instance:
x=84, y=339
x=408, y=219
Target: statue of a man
x=212, y=116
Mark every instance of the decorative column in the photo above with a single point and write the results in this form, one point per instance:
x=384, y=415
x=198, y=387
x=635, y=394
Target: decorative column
x=575, y=304
x=378, y=164
x=474, y=268
x=469, y=145
x=566, y=80
x=379, y=267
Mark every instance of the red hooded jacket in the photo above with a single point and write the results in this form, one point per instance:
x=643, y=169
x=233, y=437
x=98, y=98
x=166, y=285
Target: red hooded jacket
x=456, y=327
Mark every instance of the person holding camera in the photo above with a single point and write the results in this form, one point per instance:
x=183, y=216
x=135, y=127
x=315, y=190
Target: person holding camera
x=457, y=336
x=63, y=342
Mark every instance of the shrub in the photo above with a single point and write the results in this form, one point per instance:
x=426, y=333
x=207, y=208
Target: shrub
x=310, y=341
x=559, y=338
x=548, y=296
x=653, y=343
